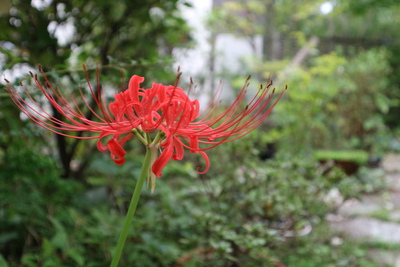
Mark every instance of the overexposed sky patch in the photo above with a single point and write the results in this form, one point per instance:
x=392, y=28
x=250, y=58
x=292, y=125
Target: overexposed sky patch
x=326, y=8
x=41, y=4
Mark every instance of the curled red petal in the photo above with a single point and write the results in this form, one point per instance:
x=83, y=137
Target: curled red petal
x=100, y=145
x=117, y=151
x=207, y=160
x=115, y=148
x=162, y=160
x=126, y=138
x=134, y=86
x=195, y=110
x=179, y=150
x=194, y=144
x=119, y=161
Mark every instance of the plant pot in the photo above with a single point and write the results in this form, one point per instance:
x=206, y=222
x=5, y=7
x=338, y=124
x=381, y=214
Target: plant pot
x=348, y=160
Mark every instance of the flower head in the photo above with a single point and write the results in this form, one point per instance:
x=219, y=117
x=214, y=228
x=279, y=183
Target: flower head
x=166, y=110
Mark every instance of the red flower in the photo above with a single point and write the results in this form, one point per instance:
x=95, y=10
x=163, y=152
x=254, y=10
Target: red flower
x=167, y=110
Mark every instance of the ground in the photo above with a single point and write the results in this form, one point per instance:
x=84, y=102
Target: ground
x=375, y=218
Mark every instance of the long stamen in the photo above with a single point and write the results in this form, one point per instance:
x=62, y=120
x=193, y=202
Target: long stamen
x=139, y=112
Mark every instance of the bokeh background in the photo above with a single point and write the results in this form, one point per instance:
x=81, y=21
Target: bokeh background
x=318, y=184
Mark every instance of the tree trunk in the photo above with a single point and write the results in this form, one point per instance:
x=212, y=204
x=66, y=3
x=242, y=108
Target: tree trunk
x=272, y=46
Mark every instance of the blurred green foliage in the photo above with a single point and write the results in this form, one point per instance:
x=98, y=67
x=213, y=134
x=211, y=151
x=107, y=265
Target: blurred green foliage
x=243, y=211
x=90, y=31
x=135, y=35
x=336, y=103
x=357, y=156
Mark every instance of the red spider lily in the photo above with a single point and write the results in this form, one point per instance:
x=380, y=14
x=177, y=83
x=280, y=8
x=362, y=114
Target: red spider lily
x=167, y=110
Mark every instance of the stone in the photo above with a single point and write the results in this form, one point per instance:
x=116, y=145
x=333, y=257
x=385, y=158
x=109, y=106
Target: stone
x=369, y=229
x=393, y=181
x=391, y=163
x=385, y=257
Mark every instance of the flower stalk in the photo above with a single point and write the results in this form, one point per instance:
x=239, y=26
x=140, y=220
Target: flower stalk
x=132, y=208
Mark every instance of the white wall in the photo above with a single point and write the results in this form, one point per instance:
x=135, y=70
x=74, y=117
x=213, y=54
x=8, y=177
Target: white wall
x=229, y=49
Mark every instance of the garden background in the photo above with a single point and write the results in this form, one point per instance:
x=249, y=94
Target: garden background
x=267, y=197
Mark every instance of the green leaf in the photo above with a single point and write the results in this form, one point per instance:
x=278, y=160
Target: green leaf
x=48, y=248
x=3, y=262
x=76, y=256
x=383, y=103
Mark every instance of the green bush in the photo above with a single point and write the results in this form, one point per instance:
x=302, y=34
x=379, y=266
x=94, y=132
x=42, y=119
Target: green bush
x=336, y=103
x=244, y=211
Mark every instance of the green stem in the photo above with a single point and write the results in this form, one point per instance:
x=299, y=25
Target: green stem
x=158, y=137
x=132, y=208
x=138, y=135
